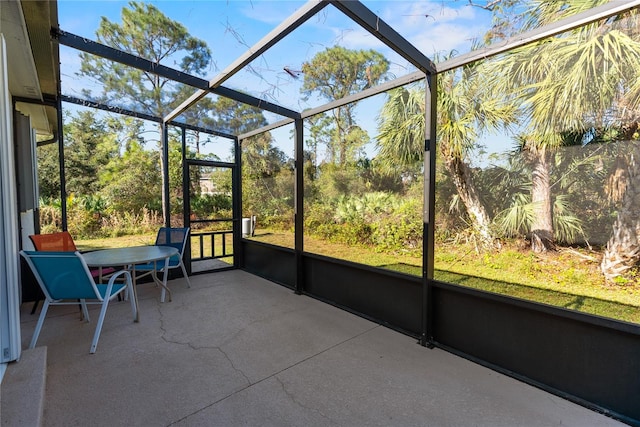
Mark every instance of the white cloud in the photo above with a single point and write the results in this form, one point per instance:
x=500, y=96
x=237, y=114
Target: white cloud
x=415, y=13
x=430, y=26
x=445, y=38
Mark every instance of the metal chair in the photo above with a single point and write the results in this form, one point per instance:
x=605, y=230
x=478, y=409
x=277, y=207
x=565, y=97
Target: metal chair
x=64, y=276
x=63, y=242
x=54, y=242
x=174, y=237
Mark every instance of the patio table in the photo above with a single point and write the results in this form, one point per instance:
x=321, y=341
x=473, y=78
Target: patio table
x=131, y=256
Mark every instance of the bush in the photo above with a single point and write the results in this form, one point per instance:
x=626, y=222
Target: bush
x=121, y=224
x=383, y=220
x=87, y=219
x=400, y=230
x=83, y=223
x=206, y=205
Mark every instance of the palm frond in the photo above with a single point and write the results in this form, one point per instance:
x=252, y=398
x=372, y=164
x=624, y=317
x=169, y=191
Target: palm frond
x=517, y=219
x=567, y=227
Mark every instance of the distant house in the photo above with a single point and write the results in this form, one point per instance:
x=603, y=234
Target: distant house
x=206, y=184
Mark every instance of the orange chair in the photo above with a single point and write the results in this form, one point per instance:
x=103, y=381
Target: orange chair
x=63, y=242
x=54, y=242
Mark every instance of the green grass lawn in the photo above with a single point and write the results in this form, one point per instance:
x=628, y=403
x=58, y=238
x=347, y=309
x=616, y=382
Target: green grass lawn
x=568, y=278
x=149, y=239
x=115, y=242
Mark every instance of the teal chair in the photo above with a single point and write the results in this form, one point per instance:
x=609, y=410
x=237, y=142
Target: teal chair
x=167, y=236
x=65, y=278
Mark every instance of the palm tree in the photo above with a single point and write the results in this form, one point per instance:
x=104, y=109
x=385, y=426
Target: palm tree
x=567, y=83
x=513, y=182
x=622, y=252
x=466, y=105
x=401, y=131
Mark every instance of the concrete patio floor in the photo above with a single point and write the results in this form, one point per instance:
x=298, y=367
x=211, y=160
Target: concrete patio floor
x=238, y=350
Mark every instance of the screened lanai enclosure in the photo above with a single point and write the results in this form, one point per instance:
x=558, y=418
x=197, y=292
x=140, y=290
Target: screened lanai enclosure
x=485, y=202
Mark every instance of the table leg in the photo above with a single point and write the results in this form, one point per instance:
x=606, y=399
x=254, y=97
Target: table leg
x=135, y=292
x=165, y=276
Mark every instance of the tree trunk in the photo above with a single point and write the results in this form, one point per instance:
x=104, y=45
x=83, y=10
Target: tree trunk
x=623, y=248
x=542, y=226
x=463, y=181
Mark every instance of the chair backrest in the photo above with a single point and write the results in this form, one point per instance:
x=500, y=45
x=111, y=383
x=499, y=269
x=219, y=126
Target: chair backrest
x=175, y=237
x=62, y=275
x=54, y=242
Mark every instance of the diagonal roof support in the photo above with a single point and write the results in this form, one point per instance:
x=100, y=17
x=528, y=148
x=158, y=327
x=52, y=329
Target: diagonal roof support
x=123, y=111
x=202, y=130
x=245, y=98
x=108, y=108
x=277, y=34
x=360, y=14
x=98, y=49
x=107, y=52
x=265, y=129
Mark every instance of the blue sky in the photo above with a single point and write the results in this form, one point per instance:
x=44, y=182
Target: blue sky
x=230, y=26
x=436, y=25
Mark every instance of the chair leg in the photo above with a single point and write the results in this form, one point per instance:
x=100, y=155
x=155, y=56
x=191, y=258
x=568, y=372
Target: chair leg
x=96, y=335
x=163, y=292
x=184, y=272
x=154, y=274
x=35, y=306
x=133, y=293
x=36, y=333
x=134, y=307
x=85, y=312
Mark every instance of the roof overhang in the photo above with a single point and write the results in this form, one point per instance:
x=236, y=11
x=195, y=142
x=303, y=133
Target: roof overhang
x=33, y=64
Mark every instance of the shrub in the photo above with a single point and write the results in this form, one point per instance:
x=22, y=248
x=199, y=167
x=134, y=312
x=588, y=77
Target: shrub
x=208, y=204
x=120, y=224
x=383, y=220
x=86, y=218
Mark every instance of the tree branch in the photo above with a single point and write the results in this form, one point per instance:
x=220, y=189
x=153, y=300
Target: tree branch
x=489, y=6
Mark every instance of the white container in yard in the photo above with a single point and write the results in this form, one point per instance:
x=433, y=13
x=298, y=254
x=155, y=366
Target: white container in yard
x=246, y=227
